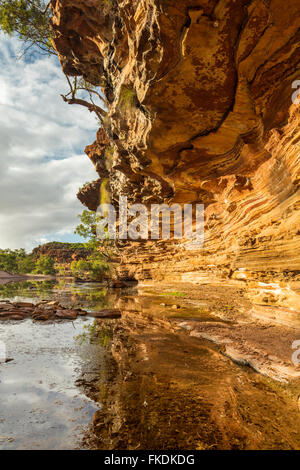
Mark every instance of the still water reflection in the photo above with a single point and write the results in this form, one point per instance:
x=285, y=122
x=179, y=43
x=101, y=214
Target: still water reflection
x=41, y=405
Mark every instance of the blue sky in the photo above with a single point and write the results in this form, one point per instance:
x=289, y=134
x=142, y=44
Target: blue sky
x=42, y=139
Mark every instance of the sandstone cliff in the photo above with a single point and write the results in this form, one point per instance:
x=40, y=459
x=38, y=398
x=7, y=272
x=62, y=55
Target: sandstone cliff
x=61, y=252
x=199, y=97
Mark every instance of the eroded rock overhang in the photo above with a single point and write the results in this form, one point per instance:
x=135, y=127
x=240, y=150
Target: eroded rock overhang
x=199, y=97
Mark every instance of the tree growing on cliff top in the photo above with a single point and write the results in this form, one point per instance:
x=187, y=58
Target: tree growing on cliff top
x=29, y=21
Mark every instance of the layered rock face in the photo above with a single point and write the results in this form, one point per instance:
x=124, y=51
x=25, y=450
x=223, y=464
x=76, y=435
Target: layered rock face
x=199, y=99
x=61, y=252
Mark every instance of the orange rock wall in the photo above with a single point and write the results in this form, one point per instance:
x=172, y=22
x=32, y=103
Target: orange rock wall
x=199, y=97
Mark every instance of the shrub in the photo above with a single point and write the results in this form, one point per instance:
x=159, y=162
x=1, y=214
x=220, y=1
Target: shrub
x=98, y=269
x=92, y=267
x=26, y=265
x=16, y=261
x=44, y=265
x=80, y=268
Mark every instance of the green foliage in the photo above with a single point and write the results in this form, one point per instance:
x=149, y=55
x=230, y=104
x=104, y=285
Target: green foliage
x=12, y=260
x=93, y=267
x=87, y=229
x=29, y=20
x=60, y=246
x=26, y=265
x=28, y=289
x=92, y=334
x=79, y=268
x=18, y=261
x=44, y=265
x=174, y=294
x=98, y=268
x=101, y=261
x=61, y=269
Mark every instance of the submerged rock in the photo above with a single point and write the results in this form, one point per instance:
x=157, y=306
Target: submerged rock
x=110, y=313
x=66, y=314
x=117, y=284
x=49, y=311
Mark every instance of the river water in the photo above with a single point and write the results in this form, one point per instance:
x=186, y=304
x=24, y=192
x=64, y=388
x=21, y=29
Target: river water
x=41, y=404
x=159, y=377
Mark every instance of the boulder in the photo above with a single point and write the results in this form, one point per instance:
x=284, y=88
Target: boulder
x=16, y=317
x=109, y=314
x=24, y=304
x=66, y=314
x=117, y=284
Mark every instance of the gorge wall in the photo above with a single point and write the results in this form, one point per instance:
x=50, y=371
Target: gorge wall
x=199, y=109
x=61, y=252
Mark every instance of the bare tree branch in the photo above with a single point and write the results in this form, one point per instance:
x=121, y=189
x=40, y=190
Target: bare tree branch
x=94, y=92
x=35, y=6
x=92, y=107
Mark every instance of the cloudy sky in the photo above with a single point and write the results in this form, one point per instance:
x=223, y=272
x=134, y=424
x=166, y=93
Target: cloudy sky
x=42, y=163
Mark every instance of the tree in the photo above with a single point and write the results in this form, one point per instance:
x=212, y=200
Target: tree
x=94, y=267
x=26, y=265
x=45, y=265
x=30, y=21
x=16, y=261
x=102, y=250
x=87, y=229
x=79, y=268
x=10, y=259
x=80, y=85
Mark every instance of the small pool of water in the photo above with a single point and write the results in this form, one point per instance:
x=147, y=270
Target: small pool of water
x=90, y=296
x=41, y=404
x=65, y=388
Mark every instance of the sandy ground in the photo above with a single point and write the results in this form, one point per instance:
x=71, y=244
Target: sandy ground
x=6, y=277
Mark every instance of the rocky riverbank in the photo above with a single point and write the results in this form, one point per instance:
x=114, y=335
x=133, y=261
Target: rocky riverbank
x=163, y=388
x=177, y=365
x=259, y=336
x=48, y=311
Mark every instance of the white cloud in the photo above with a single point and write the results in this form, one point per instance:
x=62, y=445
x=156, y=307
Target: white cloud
x=41, y=151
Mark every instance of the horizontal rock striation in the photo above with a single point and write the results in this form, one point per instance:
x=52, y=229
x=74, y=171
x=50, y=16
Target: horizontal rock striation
x=199, y=109
x=62, y=252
